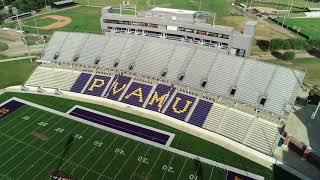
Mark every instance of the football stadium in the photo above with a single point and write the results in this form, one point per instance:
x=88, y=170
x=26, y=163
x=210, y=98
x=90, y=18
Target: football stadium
x=164, y=95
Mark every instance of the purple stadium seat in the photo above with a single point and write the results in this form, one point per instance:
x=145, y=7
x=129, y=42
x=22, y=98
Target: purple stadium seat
x=137, y=94
x=180, y=106
x=80, y=83
x=97, y=85
x=160, y=97
x=200, y=113
x=118, y=85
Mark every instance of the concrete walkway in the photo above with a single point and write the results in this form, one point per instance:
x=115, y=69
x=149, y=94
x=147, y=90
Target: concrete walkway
x=16, y=59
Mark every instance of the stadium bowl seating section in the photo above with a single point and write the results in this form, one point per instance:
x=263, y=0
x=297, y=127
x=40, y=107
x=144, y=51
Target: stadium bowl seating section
x=247, y=129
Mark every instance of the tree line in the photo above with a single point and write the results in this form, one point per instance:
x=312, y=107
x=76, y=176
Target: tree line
x=27, y=5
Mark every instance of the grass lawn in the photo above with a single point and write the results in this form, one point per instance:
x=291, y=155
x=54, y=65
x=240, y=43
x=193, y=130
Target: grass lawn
x=3, y=46
x=219, y=6
x=265, y=30
x=311, y=66
x=31, y=40
x=284, y=3
x=309, y=26
x=84, y=19
x=271, y=5
x=40, y=22
x=15, y=72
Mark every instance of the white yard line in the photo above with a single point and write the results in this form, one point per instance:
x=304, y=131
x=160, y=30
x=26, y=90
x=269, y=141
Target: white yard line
x=14, y=136
x=134, y=150
x=154, y=163
x=74, y=153
x=185, y=161
x=113, y=159
x=58, y=154
x=177, y=151
x=88, y=153
x=36, y=149
x=211, y=173
x=102, y=155
x=140, y=163
x=164, y=174
x=15, y=125
x=17, y=143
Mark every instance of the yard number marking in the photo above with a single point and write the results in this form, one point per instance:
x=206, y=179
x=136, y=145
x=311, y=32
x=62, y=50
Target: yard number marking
x=42, y=124
x=143, y=160
x=59, y=130
x=169, y=169
x=98, y=143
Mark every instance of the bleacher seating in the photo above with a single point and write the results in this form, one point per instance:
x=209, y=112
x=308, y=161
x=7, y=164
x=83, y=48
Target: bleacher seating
x=52, y=78
x=236, y=125
x=262, y=136
x=156, y=56
x=215, y=116
x=112, y=52
x=252, y=80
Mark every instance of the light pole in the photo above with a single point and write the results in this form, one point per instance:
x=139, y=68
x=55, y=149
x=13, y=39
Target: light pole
x=4, y=7
x=34, y=13
x=15, y=11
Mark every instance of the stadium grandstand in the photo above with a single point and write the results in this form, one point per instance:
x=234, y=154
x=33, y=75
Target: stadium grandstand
x=202, y=86
x=214, y=89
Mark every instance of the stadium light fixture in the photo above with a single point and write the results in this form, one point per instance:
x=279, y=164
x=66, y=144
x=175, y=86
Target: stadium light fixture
x=15, y=11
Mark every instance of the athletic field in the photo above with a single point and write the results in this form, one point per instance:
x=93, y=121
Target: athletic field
x=39, y=143
x=40, y=140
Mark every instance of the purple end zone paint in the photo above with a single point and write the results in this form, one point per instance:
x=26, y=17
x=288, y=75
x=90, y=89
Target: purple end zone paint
x=97, y=85
x=80, y=83
x=232, y=176
x=136, y=94
x=180, y=106
x=161, y=93
x=117, y=87
x=200, y=113
x=9, y=108
x=121, y=126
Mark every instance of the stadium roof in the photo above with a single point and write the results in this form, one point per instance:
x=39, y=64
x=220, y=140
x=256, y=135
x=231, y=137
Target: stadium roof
x=176, y=11
x=253, y=81
x=165, y=21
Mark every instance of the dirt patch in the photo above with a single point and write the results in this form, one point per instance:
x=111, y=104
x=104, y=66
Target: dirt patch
x=61, y=22
x=40, y=136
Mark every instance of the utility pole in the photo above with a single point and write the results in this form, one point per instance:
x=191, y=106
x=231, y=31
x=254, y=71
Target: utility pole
x=15, y=11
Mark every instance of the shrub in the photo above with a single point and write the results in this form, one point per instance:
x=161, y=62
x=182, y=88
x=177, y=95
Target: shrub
x=288, y=55
x=263, y=44
x=3, y=46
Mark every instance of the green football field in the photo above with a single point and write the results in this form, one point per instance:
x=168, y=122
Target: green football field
x=35, y=142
